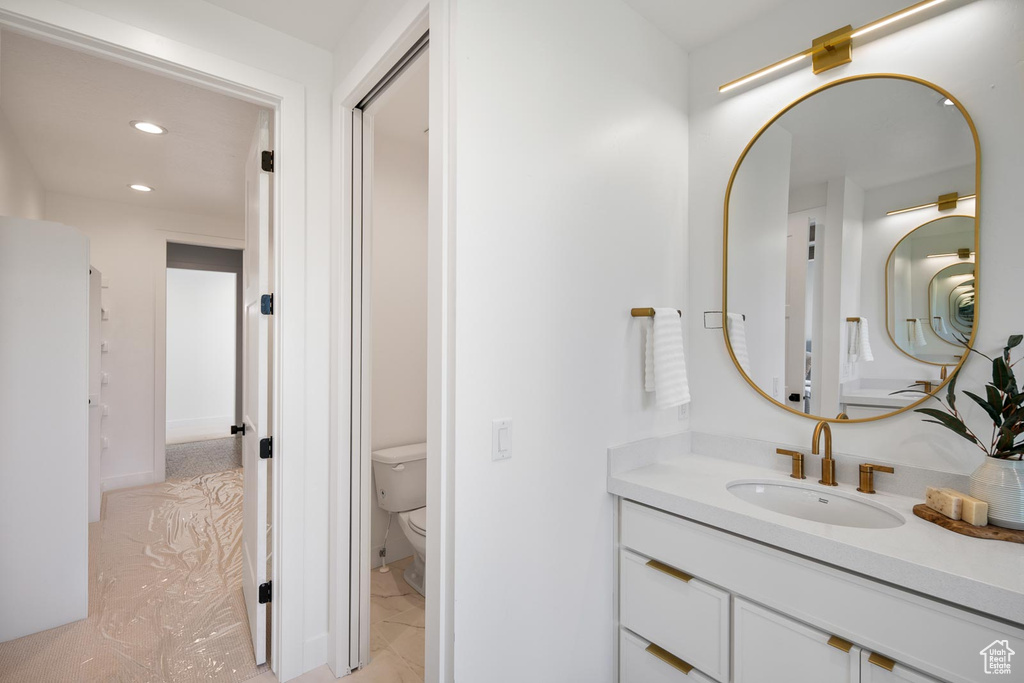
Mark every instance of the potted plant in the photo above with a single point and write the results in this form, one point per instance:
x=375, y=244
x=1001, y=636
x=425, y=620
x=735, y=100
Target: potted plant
x=999, y=481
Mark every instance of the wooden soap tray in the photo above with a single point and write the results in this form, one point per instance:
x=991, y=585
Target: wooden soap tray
x=995, y=533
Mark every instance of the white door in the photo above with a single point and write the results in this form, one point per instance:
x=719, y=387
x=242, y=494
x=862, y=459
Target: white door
x=255, y=393
x=768, y=648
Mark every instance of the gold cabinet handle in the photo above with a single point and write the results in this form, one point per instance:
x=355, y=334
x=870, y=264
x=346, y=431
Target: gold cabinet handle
x=669, y=658
x=671, y=571
x=840, y=644
x=879, y=660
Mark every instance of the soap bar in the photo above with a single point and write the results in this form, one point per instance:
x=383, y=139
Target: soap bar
x=972, y=510
x=944, y=502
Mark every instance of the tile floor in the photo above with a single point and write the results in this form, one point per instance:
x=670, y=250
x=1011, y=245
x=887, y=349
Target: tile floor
x=396, y=635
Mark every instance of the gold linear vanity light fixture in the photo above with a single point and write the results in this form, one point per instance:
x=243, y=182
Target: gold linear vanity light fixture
x=832, y=49
x=945, y=202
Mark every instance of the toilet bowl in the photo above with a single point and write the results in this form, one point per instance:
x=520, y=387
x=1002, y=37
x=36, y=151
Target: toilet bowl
x=413, y=524
x=400, y=479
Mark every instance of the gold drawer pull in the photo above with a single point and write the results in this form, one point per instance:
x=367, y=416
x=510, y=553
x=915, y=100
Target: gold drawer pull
x=879, y=660
x=671, y=571
x=840, y=644
x=669, y=658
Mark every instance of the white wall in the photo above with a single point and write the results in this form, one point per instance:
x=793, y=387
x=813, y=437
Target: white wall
x=399, y=305
x=945, y=50
x=202, y=307
x=21, y=193
x=129, y=246
x=758, y=227
x=44, y=473
x=570, y=209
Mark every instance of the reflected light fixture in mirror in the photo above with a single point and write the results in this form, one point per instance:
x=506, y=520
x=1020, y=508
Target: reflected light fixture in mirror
x=832, y=49
x=806, y=237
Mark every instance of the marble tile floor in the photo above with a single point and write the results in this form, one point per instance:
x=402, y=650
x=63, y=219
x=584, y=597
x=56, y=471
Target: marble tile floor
x=396, y=635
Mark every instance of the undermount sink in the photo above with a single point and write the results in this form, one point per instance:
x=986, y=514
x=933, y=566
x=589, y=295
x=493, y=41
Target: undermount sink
x=815, y=503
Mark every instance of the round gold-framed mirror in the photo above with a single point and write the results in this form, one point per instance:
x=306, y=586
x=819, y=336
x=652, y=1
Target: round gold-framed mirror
x=815, y=204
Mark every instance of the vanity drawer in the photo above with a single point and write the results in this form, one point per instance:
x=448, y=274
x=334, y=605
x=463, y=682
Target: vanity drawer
x=684, y=615
x=878, y=671
x=638, y=663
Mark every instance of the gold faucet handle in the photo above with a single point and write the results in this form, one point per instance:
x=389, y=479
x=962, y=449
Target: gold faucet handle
x=867, y=476
x=798, y=462
x=927, y=384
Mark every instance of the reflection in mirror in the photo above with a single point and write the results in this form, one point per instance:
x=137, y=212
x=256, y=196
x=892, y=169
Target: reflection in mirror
x=930, y=290
x=807, y=238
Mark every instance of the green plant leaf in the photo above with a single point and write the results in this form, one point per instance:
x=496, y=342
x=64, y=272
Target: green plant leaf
x=963, y=434
x=994, y=411
x=1014, y=341
x=949, y=421
x=951, y=390
x=1002, y=376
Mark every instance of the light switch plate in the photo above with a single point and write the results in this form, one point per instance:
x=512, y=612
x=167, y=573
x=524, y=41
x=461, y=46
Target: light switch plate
x=501, y=439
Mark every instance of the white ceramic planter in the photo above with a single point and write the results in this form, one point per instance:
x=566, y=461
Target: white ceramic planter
x=1000, y=483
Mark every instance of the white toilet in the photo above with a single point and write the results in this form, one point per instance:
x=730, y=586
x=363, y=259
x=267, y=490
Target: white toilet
x=400, y=476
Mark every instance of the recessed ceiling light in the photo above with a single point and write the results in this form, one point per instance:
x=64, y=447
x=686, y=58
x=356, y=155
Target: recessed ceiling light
x=147, y=127
x=141, y=188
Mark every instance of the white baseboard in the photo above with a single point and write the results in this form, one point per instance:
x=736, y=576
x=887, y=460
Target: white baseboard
x=126, y=480
x=314, y=653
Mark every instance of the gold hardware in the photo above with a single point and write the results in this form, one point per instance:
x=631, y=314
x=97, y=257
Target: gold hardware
x=647, y=312
x=937, y=204
x=853, y=320
x=669, y=658
x=842, y=415
x=838, y=44
x=927, y=384
x=671, y=571
x=798, y=462
x=963, y=253
x=944, y=373
x=867, y=476
x=832, y=50
x=725, y=231
x=884, y=662
x=828, y=465
x=840, y=644
x=947, y=202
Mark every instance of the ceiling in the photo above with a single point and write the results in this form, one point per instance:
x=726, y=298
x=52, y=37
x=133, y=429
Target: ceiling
x=320, y=22
x=71, y=113
x=876, y=132
x=695, y=23
x=402, y=111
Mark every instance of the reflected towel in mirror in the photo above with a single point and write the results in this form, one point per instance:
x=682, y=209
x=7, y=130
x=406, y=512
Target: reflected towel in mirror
x=919, y=333
x=665, y=360
x=940, y=326
x=858, y=345
x=738, y=340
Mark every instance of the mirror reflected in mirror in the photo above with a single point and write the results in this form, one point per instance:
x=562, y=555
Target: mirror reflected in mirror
x=850, y=248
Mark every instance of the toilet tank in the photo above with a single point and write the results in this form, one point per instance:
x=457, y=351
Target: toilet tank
x=400, y=477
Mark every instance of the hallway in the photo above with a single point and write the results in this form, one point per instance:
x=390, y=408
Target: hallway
x=165, y=594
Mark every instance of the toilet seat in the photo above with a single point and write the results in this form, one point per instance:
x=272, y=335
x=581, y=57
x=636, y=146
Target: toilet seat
x=418, y=520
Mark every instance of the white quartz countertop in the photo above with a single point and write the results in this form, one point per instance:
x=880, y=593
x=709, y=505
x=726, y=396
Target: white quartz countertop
x=982, y=575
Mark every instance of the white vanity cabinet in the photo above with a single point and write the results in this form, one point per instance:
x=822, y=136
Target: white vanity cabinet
x=876, y=669
x=740, y=611
x=641, y=661
x=768, y=648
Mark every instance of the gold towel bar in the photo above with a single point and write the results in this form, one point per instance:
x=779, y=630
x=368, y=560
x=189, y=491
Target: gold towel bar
x=853, y=320
x=647, y=312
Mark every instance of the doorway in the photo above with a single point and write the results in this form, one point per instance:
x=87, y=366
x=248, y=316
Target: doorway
x=175, y=179
x=204, y=360
x=389, y=370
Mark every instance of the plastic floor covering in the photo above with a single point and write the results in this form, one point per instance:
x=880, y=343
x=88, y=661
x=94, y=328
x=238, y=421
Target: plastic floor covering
x=165, y=593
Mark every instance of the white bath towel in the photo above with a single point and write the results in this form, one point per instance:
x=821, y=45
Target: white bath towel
x=738, y=340
x=858, y=346
x=665, y=360
x=919, y=333
x=940, y=325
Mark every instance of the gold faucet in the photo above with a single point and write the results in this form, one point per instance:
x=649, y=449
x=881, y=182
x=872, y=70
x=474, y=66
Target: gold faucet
x=828, y=465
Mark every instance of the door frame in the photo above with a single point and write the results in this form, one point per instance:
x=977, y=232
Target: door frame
x=55, y=22
x=350, y=489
